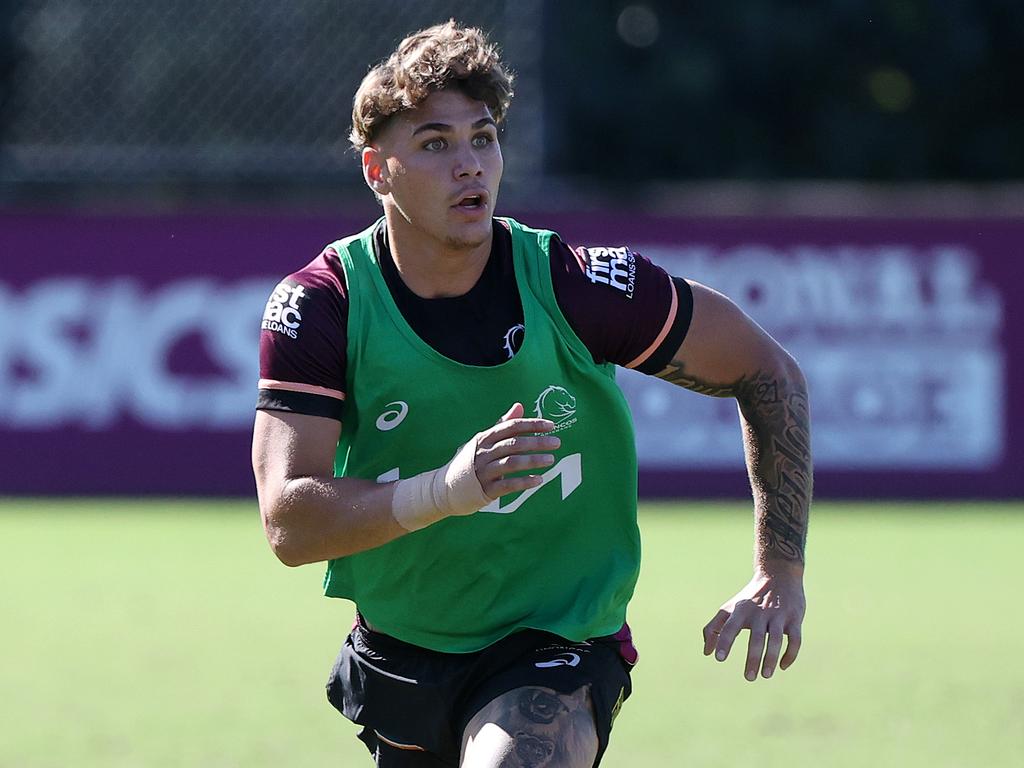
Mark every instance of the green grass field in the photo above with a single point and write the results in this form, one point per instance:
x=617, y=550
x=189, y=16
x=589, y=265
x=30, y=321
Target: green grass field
x=166, y=634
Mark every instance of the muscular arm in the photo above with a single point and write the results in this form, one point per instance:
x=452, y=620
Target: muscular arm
x=309, y=515
x=726, y=354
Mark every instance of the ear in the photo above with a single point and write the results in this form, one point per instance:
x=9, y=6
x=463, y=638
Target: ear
x=375, y=171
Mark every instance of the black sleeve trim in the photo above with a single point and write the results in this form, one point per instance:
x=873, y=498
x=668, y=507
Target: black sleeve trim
x=662, y=356
x=300, y=402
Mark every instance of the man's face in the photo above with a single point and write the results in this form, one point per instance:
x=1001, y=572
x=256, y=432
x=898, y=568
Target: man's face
x=441, y=166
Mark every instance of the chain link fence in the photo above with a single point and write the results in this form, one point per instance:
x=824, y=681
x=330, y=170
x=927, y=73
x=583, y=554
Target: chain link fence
x=199, y=92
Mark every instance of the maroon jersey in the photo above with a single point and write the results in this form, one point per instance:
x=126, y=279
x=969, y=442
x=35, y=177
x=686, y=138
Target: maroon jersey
x=634, y=315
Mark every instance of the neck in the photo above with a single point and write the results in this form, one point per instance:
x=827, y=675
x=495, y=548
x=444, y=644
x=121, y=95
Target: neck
x=433, y=268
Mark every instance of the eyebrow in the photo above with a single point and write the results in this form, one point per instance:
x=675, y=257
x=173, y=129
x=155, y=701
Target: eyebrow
x=445, y=128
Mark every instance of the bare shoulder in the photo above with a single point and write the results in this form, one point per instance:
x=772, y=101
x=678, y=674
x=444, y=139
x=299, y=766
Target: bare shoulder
x=533, y=727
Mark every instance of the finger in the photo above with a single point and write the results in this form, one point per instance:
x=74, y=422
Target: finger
x=792, y=647
x=713, y=629
x=512, y=428
x=737, y=621
x=771, y=653
x=496, y=469
x=520, y=444
x=514, y=412
x=755, y=651
x=515, y=484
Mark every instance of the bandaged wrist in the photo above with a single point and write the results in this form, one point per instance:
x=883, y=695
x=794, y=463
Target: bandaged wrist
x=439, y=493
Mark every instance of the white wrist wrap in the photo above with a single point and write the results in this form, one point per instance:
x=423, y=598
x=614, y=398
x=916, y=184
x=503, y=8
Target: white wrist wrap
x=431, y=496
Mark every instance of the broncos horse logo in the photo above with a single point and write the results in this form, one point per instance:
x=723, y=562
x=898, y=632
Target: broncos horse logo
x=556, y=404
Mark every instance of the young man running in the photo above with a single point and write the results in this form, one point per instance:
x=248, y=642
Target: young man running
x=438, y=421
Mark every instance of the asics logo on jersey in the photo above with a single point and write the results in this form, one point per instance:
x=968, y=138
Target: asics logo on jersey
x=555, y=403
x=282, y=314
x=562, y=660
x=513, y=339
x=611, y=266
x=393, y=416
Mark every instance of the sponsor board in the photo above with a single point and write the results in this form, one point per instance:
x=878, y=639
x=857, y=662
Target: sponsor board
x=901, y=347
x=134, y=369
x=95, y=352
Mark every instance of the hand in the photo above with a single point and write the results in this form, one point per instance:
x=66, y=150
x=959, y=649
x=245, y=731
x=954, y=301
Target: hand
x=510, y=446
x=770, y=606
x=476, y=475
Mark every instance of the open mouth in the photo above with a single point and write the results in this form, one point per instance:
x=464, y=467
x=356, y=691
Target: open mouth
x=471, y=202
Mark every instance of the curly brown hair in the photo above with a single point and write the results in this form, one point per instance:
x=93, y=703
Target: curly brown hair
x=433, y=59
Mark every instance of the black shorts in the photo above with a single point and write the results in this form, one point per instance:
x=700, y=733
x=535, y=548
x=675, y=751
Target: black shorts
x=415, y=703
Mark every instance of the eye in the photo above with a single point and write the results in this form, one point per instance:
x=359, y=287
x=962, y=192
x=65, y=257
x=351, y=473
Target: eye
x=435, y=145
x=482, y=140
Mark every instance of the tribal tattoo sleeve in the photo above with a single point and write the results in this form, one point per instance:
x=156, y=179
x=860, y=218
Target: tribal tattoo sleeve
x=775, y=419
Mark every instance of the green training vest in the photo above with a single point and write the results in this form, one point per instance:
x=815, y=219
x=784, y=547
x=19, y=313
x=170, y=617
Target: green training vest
x=563, y=557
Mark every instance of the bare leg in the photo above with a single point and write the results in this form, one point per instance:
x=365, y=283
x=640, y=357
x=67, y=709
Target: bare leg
x=532, y=727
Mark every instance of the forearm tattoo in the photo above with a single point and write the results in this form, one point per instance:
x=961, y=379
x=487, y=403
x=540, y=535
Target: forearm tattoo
x=775, y=418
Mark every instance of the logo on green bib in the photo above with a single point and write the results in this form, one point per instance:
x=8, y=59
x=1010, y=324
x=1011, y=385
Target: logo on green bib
x=393, y=416
x=557, y=405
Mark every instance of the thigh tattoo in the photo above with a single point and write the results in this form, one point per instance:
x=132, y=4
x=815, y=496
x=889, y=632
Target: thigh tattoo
x=545, y=729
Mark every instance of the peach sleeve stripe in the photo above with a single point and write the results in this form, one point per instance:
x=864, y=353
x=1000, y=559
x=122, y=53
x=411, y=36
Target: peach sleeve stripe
x=579, y=258
x=664, y=329
x=309, y=389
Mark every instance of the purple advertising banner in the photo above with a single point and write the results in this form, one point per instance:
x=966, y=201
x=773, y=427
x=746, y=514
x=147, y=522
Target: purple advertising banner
x=128, y=359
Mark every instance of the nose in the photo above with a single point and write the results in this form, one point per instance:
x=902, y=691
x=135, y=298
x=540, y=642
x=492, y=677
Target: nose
x=467, y=164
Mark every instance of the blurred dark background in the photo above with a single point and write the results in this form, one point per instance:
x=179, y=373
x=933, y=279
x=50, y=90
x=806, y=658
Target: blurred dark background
x=882, y=90
x=187, y=100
